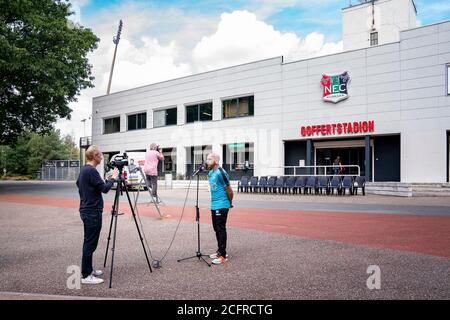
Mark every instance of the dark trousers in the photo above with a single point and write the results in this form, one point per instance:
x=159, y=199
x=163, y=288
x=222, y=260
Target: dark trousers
x=219, y=222
x=153, y=183
x=92, y=222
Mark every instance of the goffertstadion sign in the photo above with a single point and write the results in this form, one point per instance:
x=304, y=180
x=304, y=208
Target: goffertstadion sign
x=347, y=128
x=335, y=87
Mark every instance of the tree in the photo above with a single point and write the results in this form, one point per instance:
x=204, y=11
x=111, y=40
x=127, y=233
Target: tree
x=31, y=149
x=43, y=65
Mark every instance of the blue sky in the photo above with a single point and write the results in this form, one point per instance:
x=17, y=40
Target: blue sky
x=168, y=39
x=300, y=17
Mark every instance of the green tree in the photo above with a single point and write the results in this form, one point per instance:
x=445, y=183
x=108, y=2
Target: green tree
x=31, y=149
x=43, y=65
x=71, y=147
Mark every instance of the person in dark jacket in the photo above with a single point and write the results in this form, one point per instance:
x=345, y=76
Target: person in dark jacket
x=90, y=187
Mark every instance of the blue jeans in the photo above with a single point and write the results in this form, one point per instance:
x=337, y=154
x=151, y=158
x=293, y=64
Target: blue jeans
x=92, y=222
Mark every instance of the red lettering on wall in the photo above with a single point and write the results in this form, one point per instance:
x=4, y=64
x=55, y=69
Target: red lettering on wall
x=327, y=129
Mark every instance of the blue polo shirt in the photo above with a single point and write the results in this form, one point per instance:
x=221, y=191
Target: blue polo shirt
x=218, y=188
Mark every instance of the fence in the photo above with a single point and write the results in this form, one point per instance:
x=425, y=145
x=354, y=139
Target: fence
x=59, y=170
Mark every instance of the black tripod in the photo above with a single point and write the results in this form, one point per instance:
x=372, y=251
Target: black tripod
x=121, y=185
x=198, y=254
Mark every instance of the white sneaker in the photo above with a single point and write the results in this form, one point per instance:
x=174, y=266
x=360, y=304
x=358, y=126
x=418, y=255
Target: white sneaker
x=215, y=255
x=219, y=260
x=91, y=280
x=97, y=273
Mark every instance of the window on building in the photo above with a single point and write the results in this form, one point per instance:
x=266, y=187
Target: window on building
x=111, y=125
x=448, y=79
x=199, y=112
x=195, y=156
x=374, y=38
x=238, y=107
x=165, y=117
x=239, y=156
x=170, y=160
x=137, y=121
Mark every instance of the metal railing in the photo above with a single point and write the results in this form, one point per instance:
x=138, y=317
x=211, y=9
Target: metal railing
x=319, y=170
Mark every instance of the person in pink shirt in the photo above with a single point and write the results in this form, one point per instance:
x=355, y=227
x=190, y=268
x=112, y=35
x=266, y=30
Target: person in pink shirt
x=152, y=158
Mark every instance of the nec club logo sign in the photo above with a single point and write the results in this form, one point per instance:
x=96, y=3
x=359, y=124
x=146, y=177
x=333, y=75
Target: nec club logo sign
x=335, y=87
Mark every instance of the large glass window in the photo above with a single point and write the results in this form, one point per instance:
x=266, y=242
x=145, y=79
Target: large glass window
x=137, y=121
x=170, y=159
x=239, y=156
x=111, y=125
x=196, y=156
x=238, y=107
x=199, y=112
x=165, y=117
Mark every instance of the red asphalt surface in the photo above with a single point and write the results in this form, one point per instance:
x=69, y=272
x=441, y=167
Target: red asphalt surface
x=422, y=234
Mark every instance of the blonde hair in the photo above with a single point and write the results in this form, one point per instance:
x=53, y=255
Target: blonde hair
x=90, y=152
x=153, y=146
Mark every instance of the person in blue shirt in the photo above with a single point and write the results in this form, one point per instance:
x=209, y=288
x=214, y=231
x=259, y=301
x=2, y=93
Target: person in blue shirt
x=90, y=187
x=221, y=202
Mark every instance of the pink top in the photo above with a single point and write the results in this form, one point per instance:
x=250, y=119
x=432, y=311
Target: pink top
x=151, y=162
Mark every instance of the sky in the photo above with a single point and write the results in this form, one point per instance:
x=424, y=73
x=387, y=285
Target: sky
x=168, y=39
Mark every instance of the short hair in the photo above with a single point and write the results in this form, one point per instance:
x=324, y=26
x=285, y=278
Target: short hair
x=153, y=146
x=90, y=152
x=215, y=156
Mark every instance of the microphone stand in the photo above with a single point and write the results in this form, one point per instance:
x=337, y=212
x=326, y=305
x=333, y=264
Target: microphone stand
x=198, y=254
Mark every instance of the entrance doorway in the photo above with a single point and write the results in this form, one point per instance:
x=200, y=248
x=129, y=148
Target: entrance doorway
x=350, y=152
x=348, y=156
x=448, y=156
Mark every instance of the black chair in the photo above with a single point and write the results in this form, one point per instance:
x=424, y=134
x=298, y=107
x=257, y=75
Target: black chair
x=262, y=183
x=253, y=184
x=290, y=183
x=279, y=185
x=299, y=184
x=347, y=183
x=360, y=182
x=311, y=184
x=323, y=183
x=243, y=184
x=335, y=183
x=270, y=184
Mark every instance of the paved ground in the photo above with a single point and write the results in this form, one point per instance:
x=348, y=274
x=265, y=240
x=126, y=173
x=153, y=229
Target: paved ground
x=282, y=247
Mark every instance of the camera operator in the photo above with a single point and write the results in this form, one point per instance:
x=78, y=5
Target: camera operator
x=152, y=157
x=90, y=187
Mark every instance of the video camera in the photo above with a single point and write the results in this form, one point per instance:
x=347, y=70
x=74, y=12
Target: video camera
x=118, y=161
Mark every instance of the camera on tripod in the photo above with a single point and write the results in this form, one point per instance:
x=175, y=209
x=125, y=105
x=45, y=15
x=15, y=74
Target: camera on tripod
x=119, y=161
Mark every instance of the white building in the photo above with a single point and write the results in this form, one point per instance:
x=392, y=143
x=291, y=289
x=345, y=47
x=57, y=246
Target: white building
x=393, y=120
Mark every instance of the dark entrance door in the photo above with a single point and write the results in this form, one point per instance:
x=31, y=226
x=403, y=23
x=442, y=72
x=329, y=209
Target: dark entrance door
x=448, y=156
x=387, y=158
x=348, y=156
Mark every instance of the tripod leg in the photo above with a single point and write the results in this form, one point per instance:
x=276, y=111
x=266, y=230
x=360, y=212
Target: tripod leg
x=109, y=238
x=138, y=230
x=113, y=249
x=113, y=212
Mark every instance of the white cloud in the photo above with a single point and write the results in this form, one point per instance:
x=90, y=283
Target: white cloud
x=240, y=37
x=150, y=63
x=166, y=44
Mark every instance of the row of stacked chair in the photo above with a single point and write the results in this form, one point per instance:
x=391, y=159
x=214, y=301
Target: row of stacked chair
x=307, y=184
